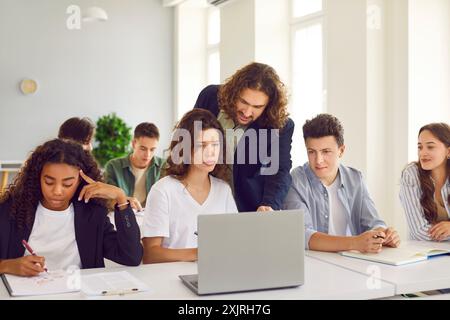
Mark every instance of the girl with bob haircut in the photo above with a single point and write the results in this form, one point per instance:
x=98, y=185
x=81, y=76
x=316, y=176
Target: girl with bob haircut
x=195, y=183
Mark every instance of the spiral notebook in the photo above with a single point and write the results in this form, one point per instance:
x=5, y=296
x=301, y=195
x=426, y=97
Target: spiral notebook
x=398, y=256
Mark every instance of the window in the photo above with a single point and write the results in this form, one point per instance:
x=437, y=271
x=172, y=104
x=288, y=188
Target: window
x=197, y=55
x=307, y=72
x=213, y=43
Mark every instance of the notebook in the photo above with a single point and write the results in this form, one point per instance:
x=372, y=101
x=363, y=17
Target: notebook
x=60, y=281
x=398, y=256
x=46, y=283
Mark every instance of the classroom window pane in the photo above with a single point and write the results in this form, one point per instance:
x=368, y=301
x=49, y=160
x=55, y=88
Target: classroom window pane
x=214, y=68
x=213, y=26
x=304, y=7
x=308, y=90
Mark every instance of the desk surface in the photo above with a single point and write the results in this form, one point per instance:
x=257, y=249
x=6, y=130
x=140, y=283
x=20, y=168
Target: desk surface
x=323, y=281
x=426, y=275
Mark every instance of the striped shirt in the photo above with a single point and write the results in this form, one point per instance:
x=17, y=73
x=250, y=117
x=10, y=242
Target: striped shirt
x=410, y=193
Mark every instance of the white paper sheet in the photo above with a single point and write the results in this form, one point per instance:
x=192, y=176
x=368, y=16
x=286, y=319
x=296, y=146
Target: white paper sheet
x=111, y=283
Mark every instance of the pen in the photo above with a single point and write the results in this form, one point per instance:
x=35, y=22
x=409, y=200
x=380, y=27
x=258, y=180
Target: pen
x=27, y=246
x=119, y=292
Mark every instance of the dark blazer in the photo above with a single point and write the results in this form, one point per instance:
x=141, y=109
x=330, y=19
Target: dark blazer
x=94, y=233
x=252, y=189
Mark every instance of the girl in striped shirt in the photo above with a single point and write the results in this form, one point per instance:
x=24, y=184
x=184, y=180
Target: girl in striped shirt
x=425, y=186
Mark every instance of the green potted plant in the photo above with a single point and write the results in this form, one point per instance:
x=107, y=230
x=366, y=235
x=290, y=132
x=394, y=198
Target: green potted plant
x=112, y=136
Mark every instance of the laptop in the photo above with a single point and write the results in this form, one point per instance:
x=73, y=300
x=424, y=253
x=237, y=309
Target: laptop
x=249, y=251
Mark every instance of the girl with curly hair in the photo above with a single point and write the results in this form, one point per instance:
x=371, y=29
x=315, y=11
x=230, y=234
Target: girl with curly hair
x=58, y=204
x=425, y=185
x=253, y=103
x=194, y=183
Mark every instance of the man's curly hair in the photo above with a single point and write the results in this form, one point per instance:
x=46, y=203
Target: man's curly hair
x=261, y=77
x=25, y=191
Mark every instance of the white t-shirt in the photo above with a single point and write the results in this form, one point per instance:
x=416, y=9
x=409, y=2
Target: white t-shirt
x=53, y=237
x=171, y=212
x=338, y=220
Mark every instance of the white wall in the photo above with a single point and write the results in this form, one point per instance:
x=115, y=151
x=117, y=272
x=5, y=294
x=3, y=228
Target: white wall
x=255, y=30
x=397, y=109
x=346, y=75
x=122, y=65
x=272, y=37
x=376, y=106
x=429, y=81
x=237, y=36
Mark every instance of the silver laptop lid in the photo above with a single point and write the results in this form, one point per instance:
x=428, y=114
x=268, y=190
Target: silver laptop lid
x=250, y=251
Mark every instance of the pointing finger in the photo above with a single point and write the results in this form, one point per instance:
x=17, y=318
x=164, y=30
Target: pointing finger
x=86, y=178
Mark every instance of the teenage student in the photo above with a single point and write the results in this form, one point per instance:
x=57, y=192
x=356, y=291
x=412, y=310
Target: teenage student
x=339, y=213
x=80, y=130
x=252, y=108
x=57, y=204
x=425, y=185
x=194, y=184
x=136, y=172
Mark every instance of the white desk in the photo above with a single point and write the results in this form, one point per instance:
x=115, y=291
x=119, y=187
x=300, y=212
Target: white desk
x=427, y=275
x=323, y=281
